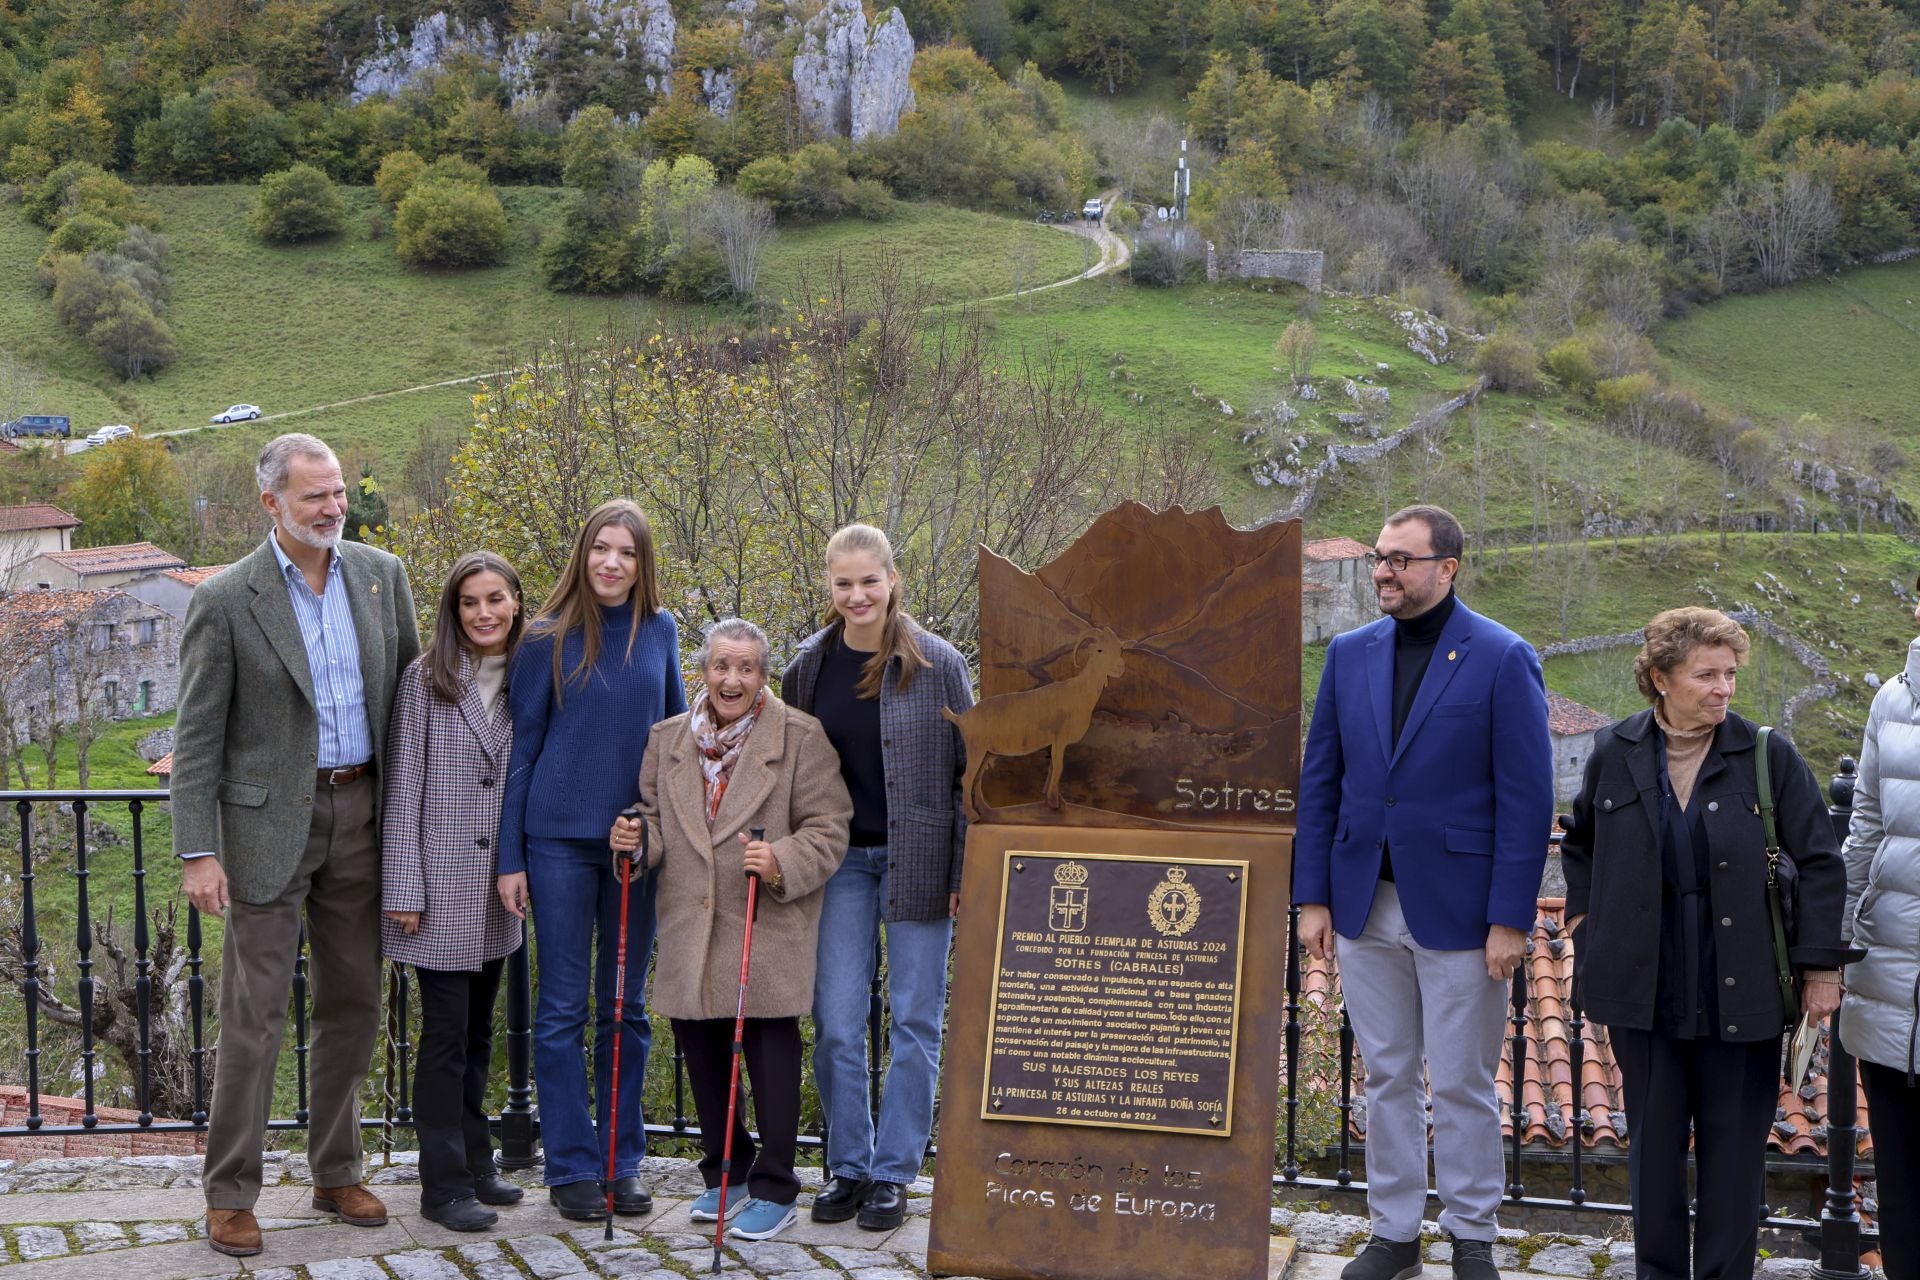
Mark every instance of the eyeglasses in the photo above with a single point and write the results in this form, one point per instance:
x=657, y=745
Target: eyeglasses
x=1397, y=560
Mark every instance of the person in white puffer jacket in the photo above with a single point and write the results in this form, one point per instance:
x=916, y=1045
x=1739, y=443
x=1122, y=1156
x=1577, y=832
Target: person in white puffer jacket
x=1880, y=1014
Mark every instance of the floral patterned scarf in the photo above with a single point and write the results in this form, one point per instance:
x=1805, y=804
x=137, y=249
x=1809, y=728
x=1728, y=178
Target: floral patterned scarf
x=720, y=747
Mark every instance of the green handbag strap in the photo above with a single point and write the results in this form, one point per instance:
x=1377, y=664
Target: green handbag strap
x=1783, y=967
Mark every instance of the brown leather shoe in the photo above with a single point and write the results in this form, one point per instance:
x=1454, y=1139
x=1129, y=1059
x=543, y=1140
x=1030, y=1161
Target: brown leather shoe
x=354, y=1204
x=233, y=1232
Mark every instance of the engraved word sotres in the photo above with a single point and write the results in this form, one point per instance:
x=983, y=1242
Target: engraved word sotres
x=1223, y=795
x=1116, y=992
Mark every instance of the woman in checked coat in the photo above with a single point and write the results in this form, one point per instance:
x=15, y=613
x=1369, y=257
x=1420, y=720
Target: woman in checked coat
x=448, y=743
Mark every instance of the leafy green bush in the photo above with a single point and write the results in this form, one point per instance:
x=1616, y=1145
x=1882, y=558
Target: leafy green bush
x=1509, y=361
x=1124, y=218
x=298, y=204
x=45, y=202
x=769, y=178
x=450, y=224
x=695, y=274
x=85, y=232
x=1162, y=259
x=398, y=171
x=870, y=199
x=1572, y=365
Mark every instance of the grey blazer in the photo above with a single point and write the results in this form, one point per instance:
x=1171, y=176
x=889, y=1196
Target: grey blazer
x=246, y=741
x=446, y=769
x=923, y=758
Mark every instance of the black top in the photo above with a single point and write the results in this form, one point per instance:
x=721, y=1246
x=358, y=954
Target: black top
x=853, y=726
x=1685, y=1004
x=1414, y=640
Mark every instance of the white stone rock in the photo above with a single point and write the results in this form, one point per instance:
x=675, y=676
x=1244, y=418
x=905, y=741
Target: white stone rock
x=885, y=1273
x=596, y=1238
x=346, y=1269
x=547, y=1257
x=1563, y=1260
x=702, y=1259
x=422, y=1264
x=35, y=1243
x=1318, y=1232
x=767, y=1256
x=159, y=1232
x=482, y=1251
x=630, y=1264
x=98, y=1237
x=852, y=1258
x=849, y=83
x=717, y=90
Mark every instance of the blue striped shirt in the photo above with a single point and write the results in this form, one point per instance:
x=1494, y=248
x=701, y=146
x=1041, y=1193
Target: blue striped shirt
x=333, y=660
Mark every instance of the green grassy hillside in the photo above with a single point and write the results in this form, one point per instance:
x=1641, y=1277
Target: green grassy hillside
x=295, y=327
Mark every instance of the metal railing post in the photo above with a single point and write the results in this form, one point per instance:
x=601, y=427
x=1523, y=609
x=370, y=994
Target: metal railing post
x=518, y=1130
x=30, y=964
x=1291, y=1169
x=1839, y=1220
x=83, y=939
x=143, y=970
x=1516, y=1185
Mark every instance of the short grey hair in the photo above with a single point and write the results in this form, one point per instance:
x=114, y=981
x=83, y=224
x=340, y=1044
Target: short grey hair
x=277, y=458
x=732, y=629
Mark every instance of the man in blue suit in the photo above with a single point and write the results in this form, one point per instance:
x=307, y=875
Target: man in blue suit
x=1426, y=802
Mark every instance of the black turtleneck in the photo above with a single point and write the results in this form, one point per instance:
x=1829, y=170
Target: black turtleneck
x=1414, y=640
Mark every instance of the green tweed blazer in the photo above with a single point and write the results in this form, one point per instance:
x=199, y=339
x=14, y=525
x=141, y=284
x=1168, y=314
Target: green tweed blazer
x=246, y=740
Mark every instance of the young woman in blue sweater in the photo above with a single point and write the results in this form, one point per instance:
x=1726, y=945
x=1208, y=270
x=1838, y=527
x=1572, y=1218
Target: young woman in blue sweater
x=599, y=667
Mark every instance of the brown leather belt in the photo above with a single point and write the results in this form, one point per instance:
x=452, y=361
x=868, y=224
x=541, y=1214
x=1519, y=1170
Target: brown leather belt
x=341, y=777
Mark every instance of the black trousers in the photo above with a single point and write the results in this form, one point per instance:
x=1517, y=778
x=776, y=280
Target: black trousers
x=772, y=1051
x=1893, y=1117
x=450, y=1079
x=1723, y=1096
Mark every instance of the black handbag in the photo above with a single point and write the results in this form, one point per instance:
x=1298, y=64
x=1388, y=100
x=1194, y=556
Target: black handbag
x=1789, y=990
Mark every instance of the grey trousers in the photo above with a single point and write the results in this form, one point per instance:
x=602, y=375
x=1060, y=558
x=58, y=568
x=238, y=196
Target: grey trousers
x=1412, y=1007
x=337, y=884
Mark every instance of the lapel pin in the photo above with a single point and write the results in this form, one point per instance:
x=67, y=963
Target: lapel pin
x=1451, y=653
x=375, y=588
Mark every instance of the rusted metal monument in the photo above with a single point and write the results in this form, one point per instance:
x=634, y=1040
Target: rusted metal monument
x=1114, y=1040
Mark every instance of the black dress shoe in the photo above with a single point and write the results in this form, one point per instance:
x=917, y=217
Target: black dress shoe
x=465, y=1214
x=491, y=1188
x=630, y=1195
x=884, y=1208
x=580, y=1201
x=839, y=1199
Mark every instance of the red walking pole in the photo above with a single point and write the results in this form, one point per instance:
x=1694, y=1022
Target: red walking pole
x=739, y=1047
x=631, y=813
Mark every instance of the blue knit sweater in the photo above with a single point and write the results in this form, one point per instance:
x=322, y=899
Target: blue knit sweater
x=576, y=762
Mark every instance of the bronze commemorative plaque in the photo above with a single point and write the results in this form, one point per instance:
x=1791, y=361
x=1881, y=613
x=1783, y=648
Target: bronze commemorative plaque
x=1116, y=990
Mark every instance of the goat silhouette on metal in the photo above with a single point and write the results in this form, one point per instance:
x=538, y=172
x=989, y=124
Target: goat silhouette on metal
x=1053, y=715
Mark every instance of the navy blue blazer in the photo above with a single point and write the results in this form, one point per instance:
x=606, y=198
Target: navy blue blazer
x=1465, y=800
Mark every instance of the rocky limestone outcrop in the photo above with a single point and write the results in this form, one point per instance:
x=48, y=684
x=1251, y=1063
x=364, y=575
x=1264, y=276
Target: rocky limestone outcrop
x=850, y=82
x=623, y=30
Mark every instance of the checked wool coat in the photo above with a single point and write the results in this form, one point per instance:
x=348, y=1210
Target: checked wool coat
x=446, y=771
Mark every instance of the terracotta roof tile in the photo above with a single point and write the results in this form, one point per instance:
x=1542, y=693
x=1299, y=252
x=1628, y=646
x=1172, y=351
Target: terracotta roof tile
x=194, y=577
x=127, y=557
x=163, y=767
x=1566, y=717
x=35, y=515
x=1335, y=549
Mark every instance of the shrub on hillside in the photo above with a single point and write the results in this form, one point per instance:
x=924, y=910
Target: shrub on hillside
x=1124, y=218
x=869, y=198
x=1163, y=259
x=398, y=171
x=1509, y=362
x=589, y=254
x=453, y=169
x=129, y=336
x=45, y=202
x=1572, y=366
x=85, y=232
x=450, y=224
x=298, y=204
x=769, y=178
x=697, y=273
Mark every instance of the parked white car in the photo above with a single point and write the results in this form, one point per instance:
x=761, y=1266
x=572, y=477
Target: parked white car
x=238, y=413
x=108, y=434
x=1092, y=210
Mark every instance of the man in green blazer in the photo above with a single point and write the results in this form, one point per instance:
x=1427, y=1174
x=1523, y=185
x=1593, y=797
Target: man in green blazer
x=287, y=672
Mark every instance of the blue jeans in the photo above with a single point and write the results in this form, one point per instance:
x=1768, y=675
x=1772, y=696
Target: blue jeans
x=850, y=921
x=575, y=889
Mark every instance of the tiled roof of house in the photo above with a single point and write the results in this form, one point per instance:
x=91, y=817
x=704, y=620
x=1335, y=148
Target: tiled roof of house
x=24, y=614
x=163, y=767
x=1553, y=1107
x=127, y=557
x=68, y=1111
x=194, y=577
x=35, y=515
x=1335, y=549
x=1566, y=717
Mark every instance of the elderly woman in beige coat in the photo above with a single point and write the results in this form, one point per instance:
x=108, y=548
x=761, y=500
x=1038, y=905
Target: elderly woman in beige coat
x=740, y=761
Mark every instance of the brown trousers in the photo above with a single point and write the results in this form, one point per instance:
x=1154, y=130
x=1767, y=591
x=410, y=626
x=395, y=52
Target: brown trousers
x=338, y=885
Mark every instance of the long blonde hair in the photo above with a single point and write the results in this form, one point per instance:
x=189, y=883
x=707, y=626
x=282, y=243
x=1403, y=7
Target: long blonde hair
x=573, y=607
x=899, y=636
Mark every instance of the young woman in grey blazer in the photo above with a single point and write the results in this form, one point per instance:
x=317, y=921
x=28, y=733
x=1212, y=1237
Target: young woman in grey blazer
x=876, y=680
x=448, y=743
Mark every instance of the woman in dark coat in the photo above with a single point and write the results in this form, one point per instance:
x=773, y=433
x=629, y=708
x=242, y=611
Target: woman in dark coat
x=1666, y=872
x=447, y=749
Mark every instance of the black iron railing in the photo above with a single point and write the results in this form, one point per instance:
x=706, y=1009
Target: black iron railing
x=1838, y=1229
